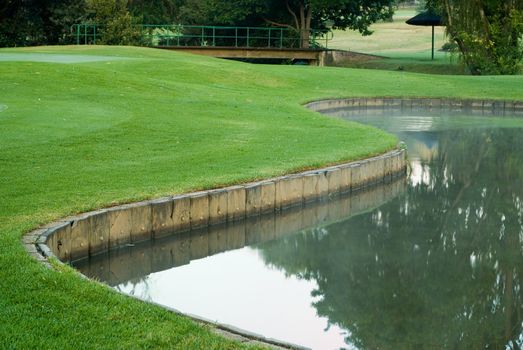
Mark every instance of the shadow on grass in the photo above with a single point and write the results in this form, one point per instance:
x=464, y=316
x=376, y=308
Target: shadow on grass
x=443, y=64
x=417, y=64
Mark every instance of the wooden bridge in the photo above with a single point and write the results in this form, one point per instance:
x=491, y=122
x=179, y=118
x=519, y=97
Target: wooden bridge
x=223, y=42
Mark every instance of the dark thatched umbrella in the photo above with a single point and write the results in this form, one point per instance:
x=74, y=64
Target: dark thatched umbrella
x=428, y=18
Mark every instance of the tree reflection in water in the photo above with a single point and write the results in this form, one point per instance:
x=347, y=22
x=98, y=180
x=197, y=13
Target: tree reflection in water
x=441, y=266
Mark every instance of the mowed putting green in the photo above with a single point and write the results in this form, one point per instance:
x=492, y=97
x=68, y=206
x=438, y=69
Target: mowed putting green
x=91, y=134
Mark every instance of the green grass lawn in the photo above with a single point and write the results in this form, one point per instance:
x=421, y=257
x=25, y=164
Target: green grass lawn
x=405, y=47
x=84, y=134
x=390, y=38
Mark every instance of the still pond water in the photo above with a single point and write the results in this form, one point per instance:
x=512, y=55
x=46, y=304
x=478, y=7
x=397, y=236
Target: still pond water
x=434, y=261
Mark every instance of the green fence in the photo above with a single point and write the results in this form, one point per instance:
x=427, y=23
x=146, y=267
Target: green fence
x=84, y=34
x=213, y=36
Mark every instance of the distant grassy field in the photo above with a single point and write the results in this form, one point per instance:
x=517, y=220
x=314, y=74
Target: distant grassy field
x=391, y=38
x=406, y=47
x=90, y=127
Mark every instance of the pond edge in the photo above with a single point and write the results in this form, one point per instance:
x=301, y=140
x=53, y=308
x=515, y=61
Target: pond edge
x=255, y=198
x=80, y=236
x=481, y=106
x=98, y=231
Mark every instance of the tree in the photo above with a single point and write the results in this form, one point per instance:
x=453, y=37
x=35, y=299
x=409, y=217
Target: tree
x=33, y=22
x=221, y=12
x=117, y=25
x=155, y=12
x=299, y=15
x=303, y=15
x=488, y=33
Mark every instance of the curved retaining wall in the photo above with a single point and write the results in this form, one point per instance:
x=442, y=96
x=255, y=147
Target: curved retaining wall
x=495, y=107
x=99, y=231
x=140, y=260
x=96, y=232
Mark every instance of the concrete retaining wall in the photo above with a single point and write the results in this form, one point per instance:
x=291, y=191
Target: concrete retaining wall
x=151, y=256
x=97, y=232
x=340, y=58
x=388, y=104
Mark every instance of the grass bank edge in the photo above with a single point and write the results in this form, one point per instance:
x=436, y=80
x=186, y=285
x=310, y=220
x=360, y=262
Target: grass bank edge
x=79, y=285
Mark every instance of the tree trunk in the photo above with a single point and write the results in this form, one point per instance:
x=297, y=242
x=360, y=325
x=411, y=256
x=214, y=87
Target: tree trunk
x=304, y=33
x=451, y=30
x=302, y=22
x=305, y=26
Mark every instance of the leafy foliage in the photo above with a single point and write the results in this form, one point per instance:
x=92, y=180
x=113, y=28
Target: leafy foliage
x=155, y=12
x=117, y=26
x=300, y=15
x=32, y=22
x=488, y=33
x=47, y=22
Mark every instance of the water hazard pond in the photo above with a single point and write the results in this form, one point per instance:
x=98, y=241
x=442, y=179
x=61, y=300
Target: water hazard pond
x=432, y=261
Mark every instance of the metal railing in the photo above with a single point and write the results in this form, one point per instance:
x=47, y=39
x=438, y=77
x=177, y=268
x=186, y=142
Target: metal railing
x=84, y=34
x=211, y=36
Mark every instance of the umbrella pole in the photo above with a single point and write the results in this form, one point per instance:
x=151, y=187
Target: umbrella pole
x=432, y=42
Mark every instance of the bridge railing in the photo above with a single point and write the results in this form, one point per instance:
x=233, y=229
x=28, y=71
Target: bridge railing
x=212, y=36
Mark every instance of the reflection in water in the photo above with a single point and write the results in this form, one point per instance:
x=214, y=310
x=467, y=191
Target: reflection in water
x=127, y=267
x=237, y=287
x=435, y=265
x=439, y=267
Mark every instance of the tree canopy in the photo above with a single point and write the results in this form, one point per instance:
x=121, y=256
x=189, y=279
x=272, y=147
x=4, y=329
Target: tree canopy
x=488, y=33
x=37, y=22
x=34, y=22
x=299, y=15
